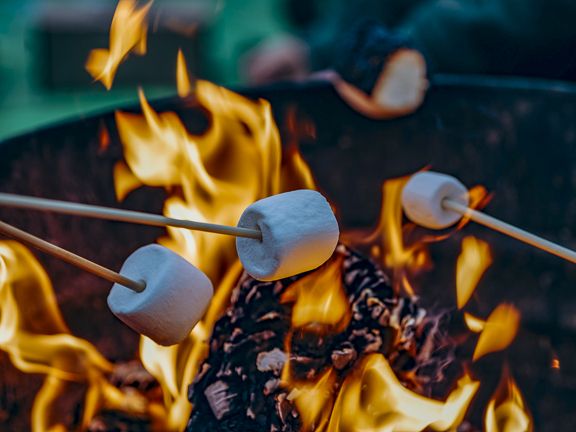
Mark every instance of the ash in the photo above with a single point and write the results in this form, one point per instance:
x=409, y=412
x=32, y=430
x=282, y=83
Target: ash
x=238, y=387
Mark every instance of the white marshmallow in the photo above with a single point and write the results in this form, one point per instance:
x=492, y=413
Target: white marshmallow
x=299, y=233
x=174, y=300
x=423, y=195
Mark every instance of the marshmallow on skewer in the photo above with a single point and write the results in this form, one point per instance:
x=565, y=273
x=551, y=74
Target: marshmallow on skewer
x=299, y=233
x=379, y=72
x=423, y=195
x=174, y=300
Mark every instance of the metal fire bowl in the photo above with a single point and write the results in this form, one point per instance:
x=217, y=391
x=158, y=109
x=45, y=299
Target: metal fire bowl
x=517, y=137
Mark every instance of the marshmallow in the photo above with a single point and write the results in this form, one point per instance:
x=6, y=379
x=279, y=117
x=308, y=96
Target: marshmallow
x=423, y=195
x=174, y=300
x=299, y=233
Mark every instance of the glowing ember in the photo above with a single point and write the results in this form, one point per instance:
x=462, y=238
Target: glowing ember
x=473, y=261
x=499, y=331
x=506, y=411
x=372, y=399
x=127, y=34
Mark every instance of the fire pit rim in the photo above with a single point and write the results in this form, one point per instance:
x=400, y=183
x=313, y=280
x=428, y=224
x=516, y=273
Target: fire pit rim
x=438, y=82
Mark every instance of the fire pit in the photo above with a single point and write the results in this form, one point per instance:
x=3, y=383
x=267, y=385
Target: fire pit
x=512, y=136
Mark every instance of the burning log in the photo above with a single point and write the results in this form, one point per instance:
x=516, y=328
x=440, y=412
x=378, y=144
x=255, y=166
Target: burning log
x=256, y=345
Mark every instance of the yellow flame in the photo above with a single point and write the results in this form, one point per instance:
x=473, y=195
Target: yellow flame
x=182, y=77
x=506, y=411
x=124, y=181
x=37, y=340
x=314, y=400
x=401, y=248
x=373, y=400
x=475, y=324
x=388, y=240
x=499, y=331
x=127, y=34
x=473, y=261
x=319, y=298
x=210, y=177
x=396, y=255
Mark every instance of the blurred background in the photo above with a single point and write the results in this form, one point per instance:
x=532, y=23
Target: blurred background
x=44, y=45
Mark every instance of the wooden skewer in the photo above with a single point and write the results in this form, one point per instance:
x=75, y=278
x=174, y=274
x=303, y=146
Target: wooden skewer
x=510, y=230
x=99, y=212
x=70, y=257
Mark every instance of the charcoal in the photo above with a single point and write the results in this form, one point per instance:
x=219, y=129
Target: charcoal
x=239, y=386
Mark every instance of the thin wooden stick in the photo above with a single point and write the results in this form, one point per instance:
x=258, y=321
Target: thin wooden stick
x=70, y=257
x=99, y=212
x=510, y=230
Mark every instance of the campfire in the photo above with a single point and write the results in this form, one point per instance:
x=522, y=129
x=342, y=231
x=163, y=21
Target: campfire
x=359, y=343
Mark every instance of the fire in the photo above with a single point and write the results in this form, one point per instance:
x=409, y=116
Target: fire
x=373, y=400
x=319, y=298
x=507, y=411
x=38, y=341
x=473, y=261
x=213, y=177
x=474, y=324
x=499, y=330
x=314, y=401
x=396, y=256
x=184, y=84
x=403, y=250
x=210, y=177
x=388, y=242
x=127, y=34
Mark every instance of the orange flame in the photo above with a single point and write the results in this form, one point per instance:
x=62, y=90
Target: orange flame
x=473, y=261
x=499, y=330
x=127, y=34
x=506, y=411
x=372, y=399
x=319, y=298
x=38, y=341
